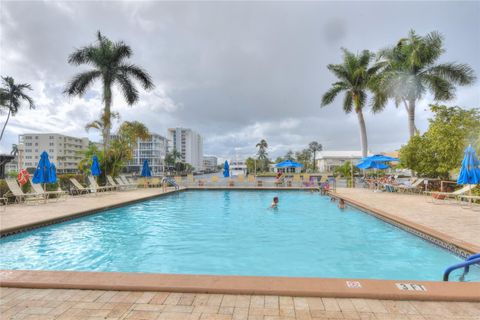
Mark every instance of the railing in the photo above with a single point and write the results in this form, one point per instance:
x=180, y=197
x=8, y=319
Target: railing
x=471, y=260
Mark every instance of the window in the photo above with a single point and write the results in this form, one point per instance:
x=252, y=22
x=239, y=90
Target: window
x=28, y=144
x=50, y=150
x=36, y=137
x=51, y=144
x=28, y=150
x=36, y=144
x=51, y=137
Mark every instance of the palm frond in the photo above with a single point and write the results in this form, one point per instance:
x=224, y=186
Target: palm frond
x=457, y=73
x=330, y=95
x=348, y=102
x=121, y=51
x=128, y=89
x=138, y=73
x=80, y=83
x=440, y=87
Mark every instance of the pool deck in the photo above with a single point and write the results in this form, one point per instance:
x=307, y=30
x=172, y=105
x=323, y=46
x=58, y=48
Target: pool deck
x=413, y=211
x=44, y=304
x=449, y=222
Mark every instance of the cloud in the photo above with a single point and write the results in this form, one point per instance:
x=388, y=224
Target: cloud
x=236, y=72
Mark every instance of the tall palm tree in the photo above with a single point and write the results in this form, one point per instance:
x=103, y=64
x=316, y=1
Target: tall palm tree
x=356, y=76
x=411, y=69
x=108, y=60
x=11, y=96
x=314, y=147
x=262, y=153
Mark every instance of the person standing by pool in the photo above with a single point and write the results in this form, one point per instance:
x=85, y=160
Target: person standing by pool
x=341, y=204
x=274, y=202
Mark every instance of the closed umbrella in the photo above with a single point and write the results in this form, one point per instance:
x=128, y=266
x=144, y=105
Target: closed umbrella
x=226, y=169
x=95, y=168
x=42, y=172
x=470, y=170
x=52, y=176
x=146, y=169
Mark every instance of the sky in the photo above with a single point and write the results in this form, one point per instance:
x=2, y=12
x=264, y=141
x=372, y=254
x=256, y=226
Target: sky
x=236, y=72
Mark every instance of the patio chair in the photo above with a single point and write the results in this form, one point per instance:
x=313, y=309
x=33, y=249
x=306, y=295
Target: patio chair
x=46, y=194
x=124, y=180
x=445, y=196
x=115, y=185
x=415, y=187
x=94, y=185
x=79, y=189
x=16, y=191
x=155, y=182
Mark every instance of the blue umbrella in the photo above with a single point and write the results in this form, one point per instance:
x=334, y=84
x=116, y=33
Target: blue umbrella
x=95, y=168
x=52, y=176
x=288, y=164
x=226, y=169
x=470, y=171
x=368, y=164
x=146, y=169
x=42, y=172
x=380, y=158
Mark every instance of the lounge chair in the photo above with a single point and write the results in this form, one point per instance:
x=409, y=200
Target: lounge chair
x=94, y=185
x=415, y=187
x=445, y=196
x=78, y=188
x=47, y=194
x=122, y=180
x=16, y=191
x=115, y=185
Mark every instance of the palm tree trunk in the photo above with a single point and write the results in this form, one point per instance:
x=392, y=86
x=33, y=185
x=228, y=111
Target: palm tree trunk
x=5, y=125
x=107, y=96
x=411, y=118
x=314, y=161
x=363, y=133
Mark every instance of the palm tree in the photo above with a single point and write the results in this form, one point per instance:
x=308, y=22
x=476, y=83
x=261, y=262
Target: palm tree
x=314, y=146
x=262, y=153
x=356, y=76
x=11, y=97
x=108, y=60
x=411, y=69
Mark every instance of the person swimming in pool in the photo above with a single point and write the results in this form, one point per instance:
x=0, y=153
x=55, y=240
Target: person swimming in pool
x=274, y=202
x=341, y=204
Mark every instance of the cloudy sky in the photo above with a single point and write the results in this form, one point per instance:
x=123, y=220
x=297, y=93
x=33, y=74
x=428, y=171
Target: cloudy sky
x=234, y=72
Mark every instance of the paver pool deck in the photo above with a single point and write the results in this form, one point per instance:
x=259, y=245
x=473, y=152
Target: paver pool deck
x=449, y=221
x=47, y=304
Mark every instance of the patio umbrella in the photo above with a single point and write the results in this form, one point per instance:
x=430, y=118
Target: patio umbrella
x=146, y=169
x=369, y=164
x=380, y=158
x=470, y=171
x=226, y=169
x=42, y=172
x=52, y=176
x=288, y=164
x=95, y=168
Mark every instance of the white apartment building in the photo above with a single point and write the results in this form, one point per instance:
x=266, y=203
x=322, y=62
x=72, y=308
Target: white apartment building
x=154, y=150
x=63, y=151
x=327, y=161
x=210, y=163
x=189, y=144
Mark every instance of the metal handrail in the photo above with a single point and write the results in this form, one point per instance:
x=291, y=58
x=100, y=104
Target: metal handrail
x=465, y=264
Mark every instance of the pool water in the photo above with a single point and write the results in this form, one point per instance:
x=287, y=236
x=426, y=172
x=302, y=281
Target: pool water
x=232, y=233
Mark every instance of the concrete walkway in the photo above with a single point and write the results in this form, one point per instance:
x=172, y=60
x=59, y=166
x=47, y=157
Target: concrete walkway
x=48, y=304
x=450, y=219
x=18, y=216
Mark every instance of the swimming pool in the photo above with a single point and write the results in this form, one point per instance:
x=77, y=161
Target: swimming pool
x=230, y=232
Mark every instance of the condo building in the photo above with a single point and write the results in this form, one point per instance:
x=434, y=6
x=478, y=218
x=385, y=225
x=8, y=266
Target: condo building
x=189, y=144
x=154, y=150
x=64, y=151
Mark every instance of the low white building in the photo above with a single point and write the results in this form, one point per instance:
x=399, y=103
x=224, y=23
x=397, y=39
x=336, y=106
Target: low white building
x=327, y=161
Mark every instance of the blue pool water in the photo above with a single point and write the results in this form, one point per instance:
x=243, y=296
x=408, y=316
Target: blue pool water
x=231, y=233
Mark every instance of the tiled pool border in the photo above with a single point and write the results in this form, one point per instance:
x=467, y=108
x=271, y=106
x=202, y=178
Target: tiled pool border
x=374, y=289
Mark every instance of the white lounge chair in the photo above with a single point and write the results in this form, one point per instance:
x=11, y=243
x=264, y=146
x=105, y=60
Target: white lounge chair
x=126, y=182
x=112, y=182
x=415, y=187
x=455, y=195
x=16, y=191
x=94, y=185
x=47, y=194
x=79, y=189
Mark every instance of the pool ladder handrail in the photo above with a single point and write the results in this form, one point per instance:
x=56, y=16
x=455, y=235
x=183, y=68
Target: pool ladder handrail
x=473, y=259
